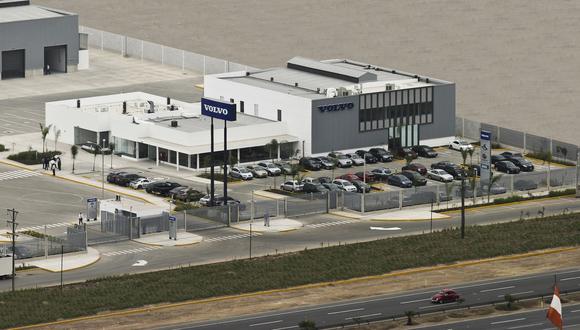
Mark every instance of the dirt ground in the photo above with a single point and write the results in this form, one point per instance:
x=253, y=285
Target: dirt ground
x=516, y=63
x=301, y=297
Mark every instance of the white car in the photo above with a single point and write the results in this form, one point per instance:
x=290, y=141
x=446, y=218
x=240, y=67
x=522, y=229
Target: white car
x=142, y=183
x=308, y=180
x=270, y=168
x=355, y=159
x=460, y=145
x=340, y=159
x=292, y=185
x=241, y=173
x=345, y=185
x=439, y=175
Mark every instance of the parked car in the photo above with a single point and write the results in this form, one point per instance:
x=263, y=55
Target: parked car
x=524, y=164
x=460, y=145
x=445, y=296
x=367, y=156
x=523, y=185
x=218, y=200
x=349, y=177
x=325, y=162
x=292, y=185
x=457, y=172
x=309, y=179
x=340, y=160
x=112, y=177
x=257, y=171
x=185, y=194
x=331, y=186
x=142, y=183
x=272, y=169
x=90, y=147
x=509, y=154
x=286, y=168
x=416, y=167
x=399, y=180
x=334, y=154
x=240, y=172
x=381, y=173
x=497, y=158
x=125, y=179
x=416, y=178
x=381, y=154
x=506, y=166
x=403, y=152
x=314, y=187
x=361, y=186
x=366, y=176
x=310, y=163
x=439, y=175
x=425, y=151
x=440, y=165
x=356, y=159
x=344, y=185
x=161, y=188
x=324, y=179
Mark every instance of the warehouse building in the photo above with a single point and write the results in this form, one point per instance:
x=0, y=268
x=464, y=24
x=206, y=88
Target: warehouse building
x=35, y=40
x=343, y=105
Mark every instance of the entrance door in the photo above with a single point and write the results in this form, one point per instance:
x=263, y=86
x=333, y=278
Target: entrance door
x=13, y=64
x=403, y=136
x=55, y=59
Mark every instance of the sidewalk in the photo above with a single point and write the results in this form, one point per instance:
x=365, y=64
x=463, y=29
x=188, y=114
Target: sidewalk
x=162, y=239
x=276, y=226
x=70, y=261
x=407, y=215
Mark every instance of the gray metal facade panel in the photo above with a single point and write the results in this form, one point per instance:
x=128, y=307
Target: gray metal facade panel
x=34, y=35
x=443, y=114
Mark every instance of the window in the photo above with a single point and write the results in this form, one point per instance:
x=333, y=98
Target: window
x=232, y=101
x=255, y=110
x=241, y=106
x=279, y=115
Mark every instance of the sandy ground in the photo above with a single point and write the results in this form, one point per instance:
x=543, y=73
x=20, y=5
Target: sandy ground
x=332, y=293
x=516, y=62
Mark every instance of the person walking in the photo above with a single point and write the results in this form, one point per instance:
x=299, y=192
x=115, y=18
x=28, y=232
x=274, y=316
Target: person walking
x=53, y=166
x=80, y=218
x=58, y=163
x=267, y=219
x=44, y=163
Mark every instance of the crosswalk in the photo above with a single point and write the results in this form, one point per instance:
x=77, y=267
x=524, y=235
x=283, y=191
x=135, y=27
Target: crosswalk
x=18, y=174
x=229, y=237
x=41, y=227
x=131, y=251
x=329, y=224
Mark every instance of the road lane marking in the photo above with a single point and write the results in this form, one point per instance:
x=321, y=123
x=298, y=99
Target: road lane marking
x=229, y=237
x=363, y=316
x=570, y=278
x=526, y=326
x=576, y=311
x=347, y=311
x=438, y=305
x=515, y=294
x=414, y=301
x=285, y=328
x=497, y=289
x=508, y=321
x=131, y=251
x=265, y=323
x=328, y=224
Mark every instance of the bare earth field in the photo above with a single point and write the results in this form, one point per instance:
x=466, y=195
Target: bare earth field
x=516, y=62
x=215, y=310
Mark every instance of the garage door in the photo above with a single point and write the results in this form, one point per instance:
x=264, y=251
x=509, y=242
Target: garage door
x=13, y=64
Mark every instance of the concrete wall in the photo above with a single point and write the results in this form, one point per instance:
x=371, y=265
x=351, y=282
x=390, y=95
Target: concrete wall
x=34, y=35
x=443, y=114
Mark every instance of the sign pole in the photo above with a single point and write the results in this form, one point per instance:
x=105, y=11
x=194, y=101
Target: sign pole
x=225, y=162
x=211, y=171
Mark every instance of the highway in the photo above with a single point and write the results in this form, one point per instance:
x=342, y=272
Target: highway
x=385, y=306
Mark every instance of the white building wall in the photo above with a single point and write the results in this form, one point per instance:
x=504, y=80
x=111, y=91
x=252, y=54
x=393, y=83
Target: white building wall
x=296, y=111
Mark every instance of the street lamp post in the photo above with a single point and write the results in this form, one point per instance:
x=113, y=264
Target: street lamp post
x=462, y=206
x=362, y=206
x=103, y=170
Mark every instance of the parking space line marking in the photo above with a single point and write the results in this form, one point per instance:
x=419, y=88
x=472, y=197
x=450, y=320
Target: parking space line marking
x=347, y=311
x=41, y=227
x=265, y=323
x=496, y=289
x=508, y=321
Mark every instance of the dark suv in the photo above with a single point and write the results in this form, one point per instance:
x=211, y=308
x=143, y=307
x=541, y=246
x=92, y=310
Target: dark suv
x=416, y=178
x=113, y=176
x=381, y=154
x=310, y=163
x=451, y=168
x=314, y=187
x=425, y=151
x=161, y=188
x=404, y=152
x=126, y=178
x=367, y=156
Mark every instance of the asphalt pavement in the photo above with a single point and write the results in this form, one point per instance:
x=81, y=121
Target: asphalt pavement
x=388, y=306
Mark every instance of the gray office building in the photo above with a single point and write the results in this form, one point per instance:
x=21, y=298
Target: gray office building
x=35, y=40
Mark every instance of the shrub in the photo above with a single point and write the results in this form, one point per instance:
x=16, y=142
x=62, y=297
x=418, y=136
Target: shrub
x=566, y=192
x=2, y=148
x=180, y=206
x=32, y=157
x=510, y=199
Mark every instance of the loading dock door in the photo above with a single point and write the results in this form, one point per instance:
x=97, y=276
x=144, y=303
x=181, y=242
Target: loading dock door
x=13, y=64
x=55, y=59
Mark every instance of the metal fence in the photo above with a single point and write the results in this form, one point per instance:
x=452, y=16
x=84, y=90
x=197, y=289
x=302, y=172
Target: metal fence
x=27, y=246
x=522, y=140
x=165, y=55
x=121, y=226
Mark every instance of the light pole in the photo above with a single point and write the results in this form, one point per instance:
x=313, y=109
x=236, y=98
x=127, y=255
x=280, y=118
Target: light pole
x=13, y=223
x=462, y=207
x=431, y=214
x=103, y=170
x=362, y=206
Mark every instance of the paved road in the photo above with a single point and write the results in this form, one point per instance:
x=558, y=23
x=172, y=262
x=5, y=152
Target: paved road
x=534, y=320
x=372, y=308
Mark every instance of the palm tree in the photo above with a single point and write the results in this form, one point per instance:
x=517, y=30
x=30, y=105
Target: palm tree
x=409, y=315
x=56, y=136
x=112, y=148
x=74, y=151
x=472, y=183
x=464, y=154
x=493, y=179
x=95, y=153
x=44, y=130
x=470, y=152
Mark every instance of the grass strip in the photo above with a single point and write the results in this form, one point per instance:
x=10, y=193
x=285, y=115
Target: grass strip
x=310, y=266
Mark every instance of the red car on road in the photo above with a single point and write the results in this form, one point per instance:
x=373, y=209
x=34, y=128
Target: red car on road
x=349, y=177
x=445, y=296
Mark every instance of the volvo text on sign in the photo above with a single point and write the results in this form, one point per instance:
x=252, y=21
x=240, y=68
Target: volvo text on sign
x=218, y=109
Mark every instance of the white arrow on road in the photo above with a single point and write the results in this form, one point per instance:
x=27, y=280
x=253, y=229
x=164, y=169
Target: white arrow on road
x=385, y=228
x=140, y=263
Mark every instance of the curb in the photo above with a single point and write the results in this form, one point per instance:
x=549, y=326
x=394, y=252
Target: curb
x=153, y=244
x=446, y=217
x=347, y=215
x=307, y=286
x=483, y=207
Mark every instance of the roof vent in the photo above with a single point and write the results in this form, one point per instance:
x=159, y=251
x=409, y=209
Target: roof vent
x=295, y=84
x=271, y=78
x=174, y=123
x=318, y=90
x=393, y=71
x=247, y=73
x=427, y=80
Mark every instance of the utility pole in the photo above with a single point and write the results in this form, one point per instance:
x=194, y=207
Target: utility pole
x=12, y=212
x=103, y=171
x=61, y=265
x=462, y=207
x=431, y=214
x=250, y=241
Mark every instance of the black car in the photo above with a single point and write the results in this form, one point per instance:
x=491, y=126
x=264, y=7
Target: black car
x=314, y=187
x=324, y=179
x=185, y=194
x=441, y=165
x=510, y=155
x=381, y=154
x=325, y=162
x=367, y=156
x=425, y=151
x=126, y=178
x=331, y=186
x=507, y=166
x=113, y=176
x=310, y=163
x=404, y=152
x=497, y=158
x=286, y=168
x=399, y=180
x=161, y=188
x=524, y=164
x=360, y=186
x=457, y=172
x=416, y=178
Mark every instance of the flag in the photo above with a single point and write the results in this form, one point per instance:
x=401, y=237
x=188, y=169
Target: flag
x=555, y=310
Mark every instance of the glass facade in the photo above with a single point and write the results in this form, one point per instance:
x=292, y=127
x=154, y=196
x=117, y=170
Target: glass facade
x=396, y=108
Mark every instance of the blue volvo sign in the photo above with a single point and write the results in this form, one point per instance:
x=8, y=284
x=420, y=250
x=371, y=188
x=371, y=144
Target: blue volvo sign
x=336, y=107
x=218, y=109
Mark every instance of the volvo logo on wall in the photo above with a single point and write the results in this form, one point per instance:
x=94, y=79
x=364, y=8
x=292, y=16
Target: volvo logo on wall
x=336, y=107
x=218, y=109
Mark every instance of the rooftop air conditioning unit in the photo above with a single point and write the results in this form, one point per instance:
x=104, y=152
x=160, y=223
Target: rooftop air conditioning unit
x=331, y=92
x=390, y=87
x=174, y=123
x=342, y=91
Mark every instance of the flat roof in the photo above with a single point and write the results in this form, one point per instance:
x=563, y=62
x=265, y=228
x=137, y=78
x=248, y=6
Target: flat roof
x=197, y=122
x=27, y=13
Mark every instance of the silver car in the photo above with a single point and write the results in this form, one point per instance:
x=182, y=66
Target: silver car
x=240, y=172
x=270, y=168
x=257, y=171
x=340, y=159
x=356, y=159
